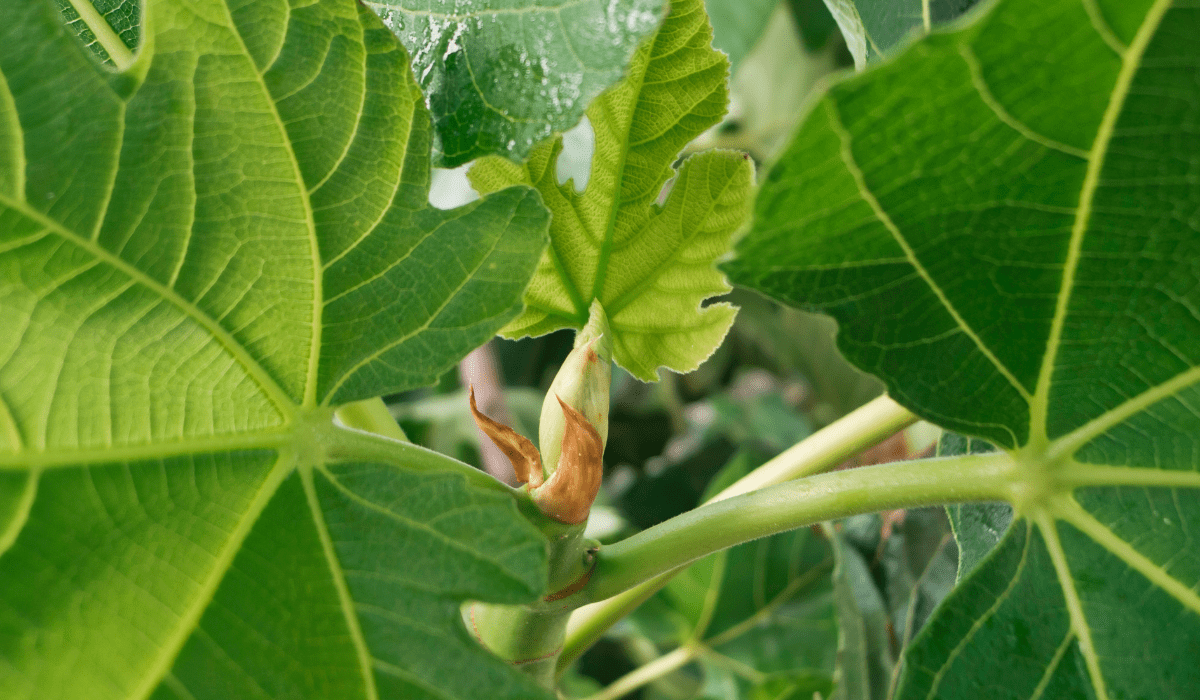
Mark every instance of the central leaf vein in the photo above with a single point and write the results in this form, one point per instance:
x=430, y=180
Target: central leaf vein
x=1069, y=510
x=339, y=581
x=314, y=352
x=1079, y=622
x=1131, y=61
x=979, y=623
x=189, y=621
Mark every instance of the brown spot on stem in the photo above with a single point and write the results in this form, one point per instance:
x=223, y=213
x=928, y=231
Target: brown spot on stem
x=526, y=461
x=568, y=495
x=573, y=587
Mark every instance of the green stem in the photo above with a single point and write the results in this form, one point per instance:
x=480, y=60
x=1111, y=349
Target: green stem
x=647, y=673
x=863, y=427
x=711, y=528
x=337, y=444
x=373, y=416
x=530, y=636
x=821, y=451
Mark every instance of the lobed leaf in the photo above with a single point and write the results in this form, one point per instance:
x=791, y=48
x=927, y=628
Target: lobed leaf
x=649, y=266
x=200, y=256
x=1003, y=221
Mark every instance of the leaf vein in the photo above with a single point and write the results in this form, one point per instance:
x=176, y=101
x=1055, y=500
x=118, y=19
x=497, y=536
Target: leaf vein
x=856, y=172
x=1079, y=621
x=339, y=582
x=978, y=624
x=1131, y=60
x=989, y=99
x=1069, y=510
x=428, y=321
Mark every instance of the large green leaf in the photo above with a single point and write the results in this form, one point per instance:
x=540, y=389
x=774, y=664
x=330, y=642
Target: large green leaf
x=650, y=266
x=501, y=75
x=199, y=257
x=1004, y=222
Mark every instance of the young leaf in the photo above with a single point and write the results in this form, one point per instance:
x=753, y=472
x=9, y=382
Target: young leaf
x=1004, y=223
x=502, y=76
x=649, y=266
x=199, y=257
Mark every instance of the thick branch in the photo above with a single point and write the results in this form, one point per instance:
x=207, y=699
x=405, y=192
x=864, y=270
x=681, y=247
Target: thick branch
x=821, y=451
x=711, y=528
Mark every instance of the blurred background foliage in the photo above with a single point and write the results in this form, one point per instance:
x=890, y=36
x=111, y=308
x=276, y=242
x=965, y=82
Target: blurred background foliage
x=819, y=612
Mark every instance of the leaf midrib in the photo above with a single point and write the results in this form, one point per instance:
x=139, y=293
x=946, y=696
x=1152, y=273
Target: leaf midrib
x=190, y=620
x=615, y=206
x=337, y=573
x=1078, y=619
x=116, y=49
x=272, y=438
x=834, y=120
x=1070, y=511
x=1130, y=63
x=979, y=623
x=309, y=399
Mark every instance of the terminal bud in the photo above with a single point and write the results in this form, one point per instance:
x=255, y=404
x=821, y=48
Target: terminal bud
x=565, y=478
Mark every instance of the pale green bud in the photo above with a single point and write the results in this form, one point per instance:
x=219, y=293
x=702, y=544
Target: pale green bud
x=582, y=383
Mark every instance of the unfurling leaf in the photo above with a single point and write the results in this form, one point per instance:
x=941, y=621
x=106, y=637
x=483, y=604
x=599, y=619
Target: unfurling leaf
x=650, y=266
x=527, y=463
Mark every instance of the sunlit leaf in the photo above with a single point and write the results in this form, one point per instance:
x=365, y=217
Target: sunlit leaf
x=650, y=266
x=199, y=257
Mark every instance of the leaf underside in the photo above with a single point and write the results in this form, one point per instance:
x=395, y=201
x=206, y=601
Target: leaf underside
x=199, y=258
x=1005, y=223
x=874, y=28
x=502, y=75
x=650, y=266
